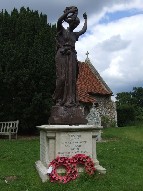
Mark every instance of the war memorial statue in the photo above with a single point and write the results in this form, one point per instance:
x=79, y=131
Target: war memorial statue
x=67, y=110
x=67, y=135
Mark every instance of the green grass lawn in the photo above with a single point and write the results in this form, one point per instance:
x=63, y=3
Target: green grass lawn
x=121, y=153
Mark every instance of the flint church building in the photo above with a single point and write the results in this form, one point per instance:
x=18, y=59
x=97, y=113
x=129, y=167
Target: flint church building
x=94, y=94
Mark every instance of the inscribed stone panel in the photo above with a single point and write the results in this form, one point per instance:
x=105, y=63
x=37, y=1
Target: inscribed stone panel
x=71, y=143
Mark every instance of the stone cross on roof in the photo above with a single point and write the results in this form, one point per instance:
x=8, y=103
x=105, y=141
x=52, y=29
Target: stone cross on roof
x=87, y=54
x=87, y=60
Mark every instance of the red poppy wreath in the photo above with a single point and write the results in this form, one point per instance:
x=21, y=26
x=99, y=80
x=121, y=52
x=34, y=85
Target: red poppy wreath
x=70, y=165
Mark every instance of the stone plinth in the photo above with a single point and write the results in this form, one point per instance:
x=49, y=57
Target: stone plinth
x=65, y=140
x=61, y=115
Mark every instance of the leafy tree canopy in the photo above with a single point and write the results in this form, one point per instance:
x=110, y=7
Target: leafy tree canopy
x=130, y=106
x=27, y=67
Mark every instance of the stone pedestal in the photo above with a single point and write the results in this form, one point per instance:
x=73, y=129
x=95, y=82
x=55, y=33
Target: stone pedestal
x=61, y=115
x=65, y=140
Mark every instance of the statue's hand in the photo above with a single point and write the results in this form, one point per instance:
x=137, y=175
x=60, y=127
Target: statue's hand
x=85, y=16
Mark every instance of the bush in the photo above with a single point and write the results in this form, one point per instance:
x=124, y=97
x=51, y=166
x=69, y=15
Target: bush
x=125, y=115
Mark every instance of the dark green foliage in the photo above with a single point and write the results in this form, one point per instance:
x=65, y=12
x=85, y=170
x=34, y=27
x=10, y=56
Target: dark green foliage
x=124, y=98
x=27, y=67
x=125, y=115
x=130, y=106
x=137, y=96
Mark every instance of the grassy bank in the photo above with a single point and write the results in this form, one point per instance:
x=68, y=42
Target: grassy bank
x=120, y=152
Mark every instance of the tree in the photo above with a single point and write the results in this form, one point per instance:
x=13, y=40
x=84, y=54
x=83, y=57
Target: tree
x=124, y=98
x=137, y=96
x=27, y=67
x=125, y=115
x=130, y=106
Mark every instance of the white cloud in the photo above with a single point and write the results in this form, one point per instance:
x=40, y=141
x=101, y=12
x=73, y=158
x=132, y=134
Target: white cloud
x=116, y=51
x=115, y=43
x=113, y=71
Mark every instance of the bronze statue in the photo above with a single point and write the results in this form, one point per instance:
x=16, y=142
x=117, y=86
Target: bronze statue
x=65, y=94
x=66, y=58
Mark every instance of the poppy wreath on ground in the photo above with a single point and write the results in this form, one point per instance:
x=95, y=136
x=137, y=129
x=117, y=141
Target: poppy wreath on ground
x=70, y=165
x=71, y=170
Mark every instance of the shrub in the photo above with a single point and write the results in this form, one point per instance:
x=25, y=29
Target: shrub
x=125, y=115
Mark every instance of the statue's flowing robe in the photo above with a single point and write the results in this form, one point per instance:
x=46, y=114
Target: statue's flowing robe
x=66, y=68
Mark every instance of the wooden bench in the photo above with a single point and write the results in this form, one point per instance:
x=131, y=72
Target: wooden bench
x=9, y=128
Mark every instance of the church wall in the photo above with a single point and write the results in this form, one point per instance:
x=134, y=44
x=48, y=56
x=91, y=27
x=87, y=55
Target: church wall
x=104, y=106
x=107, y=107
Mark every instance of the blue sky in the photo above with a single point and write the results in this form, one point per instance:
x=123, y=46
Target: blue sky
x=115, y=16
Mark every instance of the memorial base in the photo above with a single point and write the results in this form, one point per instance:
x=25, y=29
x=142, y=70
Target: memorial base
x=67, y=141
x=61, y=115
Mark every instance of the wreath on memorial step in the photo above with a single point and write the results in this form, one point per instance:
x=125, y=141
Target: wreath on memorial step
x=71, y=167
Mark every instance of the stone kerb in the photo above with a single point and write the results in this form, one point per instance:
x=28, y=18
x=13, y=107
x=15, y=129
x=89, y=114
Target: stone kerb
x=65, y=140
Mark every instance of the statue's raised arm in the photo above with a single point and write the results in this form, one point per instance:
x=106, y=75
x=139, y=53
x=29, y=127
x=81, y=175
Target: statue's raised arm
x=84, y=26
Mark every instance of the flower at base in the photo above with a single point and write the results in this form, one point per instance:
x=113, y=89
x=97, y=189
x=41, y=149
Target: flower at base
x=71, y=167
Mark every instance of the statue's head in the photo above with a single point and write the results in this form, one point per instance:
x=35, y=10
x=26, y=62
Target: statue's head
x=73, y=9
x=72, y=18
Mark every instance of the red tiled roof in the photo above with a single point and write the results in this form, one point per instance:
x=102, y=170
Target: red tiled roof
x=89, y=82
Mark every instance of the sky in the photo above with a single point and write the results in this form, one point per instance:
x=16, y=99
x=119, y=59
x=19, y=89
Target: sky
x=114, y=38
